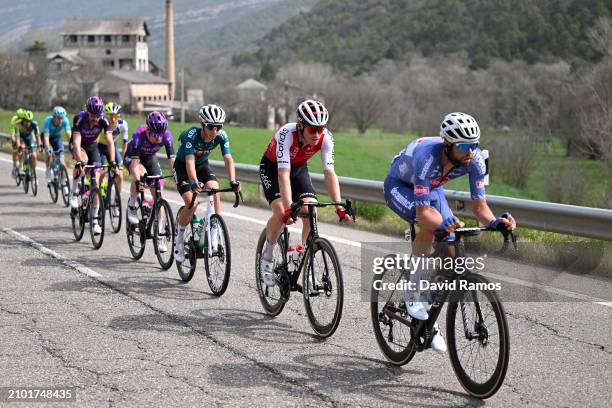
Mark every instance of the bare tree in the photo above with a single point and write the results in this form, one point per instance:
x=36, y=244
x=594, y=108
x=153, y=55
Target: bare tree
x=365, y=101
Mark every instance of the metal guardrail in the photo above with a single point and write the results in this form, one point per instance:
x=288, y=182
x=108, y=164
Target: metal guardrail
x=562, y=218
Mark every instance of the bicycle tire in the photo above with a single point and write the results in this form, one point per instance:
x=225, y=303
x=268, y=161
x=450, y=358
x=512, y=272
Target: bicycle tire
x=478, y=389
x=64, y=182
x=223, y=253
x=187, y=268
x=26, y=181
x=271, y=308
x=323, y=246
x=77, y=217
x=52, y=185
x=113, y=201
x=136, y=233
x=96, y=240
x=397, y=354
x=168, y=233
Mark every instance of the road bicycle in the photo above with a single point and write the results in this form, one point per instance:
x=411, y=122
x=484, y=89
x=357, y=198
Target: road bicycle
x=155, y=221
x=111, y=196
x=88, y=194
x=322, y=285
x=200, y=243
x=27, y=175
x=476, y=326
x=59, y=181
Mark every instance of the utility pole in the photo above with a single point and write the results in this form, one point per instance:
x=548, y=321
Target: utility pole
x=183, y=95
x=170, y=48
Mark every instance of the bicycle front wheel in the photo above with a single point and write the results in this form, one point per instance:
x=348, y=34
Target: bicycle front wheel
x=271, y=297
x=26, y=180
x=136, y=233
x=478, y=338
x=33, y=181
x=96, y=219
x=219, y=264
x=163, y=234
x=113, y=202
x=78, y=217
x=53, y=186
x=187, y=268
x=64, y=184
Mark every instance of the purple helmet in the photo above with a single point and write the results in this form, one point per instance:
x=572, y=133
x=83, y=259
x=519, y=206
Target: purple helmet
x=95, y=105
x=157, y=123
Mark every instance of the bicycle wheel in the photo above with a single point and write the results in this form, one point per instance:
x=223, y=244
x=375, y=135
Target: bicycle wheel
x=113, y=202
x=52, y=186
x=323, y=288
x=18, y=174
x=136, y=233
x=64, y=184
x=78, y=217
x=188, y=267
x=33, y=181
x=478, y=339
x=271, y=297
x=163, y=234
x=96, y=195
x=26, y=179
x=219, y=265
x=386, y=308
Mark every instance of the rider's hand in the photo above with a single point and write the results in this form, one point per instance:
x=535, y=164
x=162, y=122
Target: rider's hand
x=113, y=165
x=196, y=187
x=450, y=224
x=286, y=217
x=506, y=221
x=235, y=186
x=140, y=186
x=78, y=166
x=343, y=215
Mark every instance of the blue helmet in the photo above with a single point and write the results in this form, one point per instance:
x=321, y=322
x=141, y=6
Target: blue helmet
x=59, y=112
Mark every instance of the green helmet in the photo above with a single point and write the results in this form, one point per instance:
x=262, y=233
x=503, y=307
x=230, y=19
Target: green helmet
x=112, y=108
x=27, y=115
x=19, y=113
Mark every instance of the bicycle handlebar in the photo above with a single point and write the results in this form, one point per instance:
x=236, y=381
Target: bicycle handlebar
x=210, y=191
x=347, y=205
x=508, y=235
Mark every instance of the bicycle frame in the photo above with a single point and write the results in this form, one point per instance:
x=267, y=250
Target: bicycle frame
x=156, y=197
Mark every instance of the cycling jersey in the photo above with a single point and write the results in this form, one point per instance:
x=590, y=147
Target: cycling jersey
x=15, y=121
x=141, y=147
x=55, y=131
x=27, y=134
x=120, y=129
x=89, y=135
x=419, y=165
x=193, y=144
x=286, y=150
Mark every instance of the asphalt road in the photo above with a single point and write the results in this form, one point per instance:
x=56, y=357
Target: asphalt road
x=126, y=333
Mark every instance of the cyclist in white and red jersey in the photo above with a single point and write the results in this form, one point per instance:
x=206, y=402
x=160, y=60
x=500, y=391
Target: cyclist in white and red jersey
x=284, y=174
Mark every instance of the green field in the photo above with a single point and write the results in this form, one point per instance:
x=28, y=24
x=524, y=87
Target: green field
x=368, y=156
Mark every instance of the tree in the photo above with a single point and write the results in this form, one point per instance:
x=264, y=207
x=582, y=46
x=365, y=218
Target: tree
x=364, y=102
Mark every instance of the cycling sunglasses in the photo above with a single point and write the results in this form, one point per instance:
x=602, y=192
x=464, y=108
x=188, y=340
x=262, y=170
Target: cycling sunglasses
x=210, y=126
x=314, y=129
x=464, y=147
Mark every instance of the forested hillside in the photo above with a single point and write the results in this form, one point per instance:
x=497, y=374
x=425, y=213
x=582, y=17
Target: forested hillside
x=354, y=35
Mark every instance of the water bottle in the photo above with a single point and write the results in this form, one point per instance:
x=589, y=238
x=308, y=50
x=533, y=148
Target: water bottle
x=294, y=255
x=198, y=226
x=147, y=204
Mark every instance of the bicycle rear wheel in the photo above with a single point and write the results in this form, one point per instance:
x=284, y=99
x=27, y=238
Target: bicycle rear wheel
x=163, y=234
x=386, y=308
x=136, y=233
x=96, y=239
x=219, y=265
x=323, y=288
x=479, y=357
x=64, y=184
x=113, y=201
x=271, y=298
x=187, y=268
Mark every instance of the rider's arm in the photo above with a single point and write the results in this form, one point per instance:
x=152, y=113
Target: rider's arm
x=46, y=132
x=284, y=141
x=124, y=137
x=284, y=184
x=170, y=153
x=76, y=145
x=67, y=128
x=327, y=159
x=191, y=168
x=37, y=134
x=482, y=212
x=226, y=151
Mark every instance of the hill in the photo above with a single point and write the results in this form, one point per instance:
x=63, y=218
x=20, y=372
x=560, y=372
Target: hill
x=355, y=35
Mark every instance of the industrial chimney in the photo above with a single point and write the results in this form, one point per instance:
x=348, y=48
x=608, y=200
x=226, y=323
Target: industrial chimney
x=170, y=47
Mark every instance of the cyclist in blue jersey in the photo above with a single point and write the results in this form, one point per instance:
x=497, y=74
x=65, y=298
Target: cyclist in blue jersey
x=414, y=189
x=192, y=168
x=53, y=126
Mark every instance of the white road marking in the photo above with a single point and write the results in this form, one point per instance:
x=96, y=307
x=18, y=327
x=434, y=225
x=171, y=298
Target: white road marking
x=71, y=264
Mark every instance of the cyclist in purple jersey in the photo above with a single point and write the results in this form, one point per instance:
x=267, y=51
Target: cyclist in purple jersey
x=414, y=189
x=86, y=127
x=141, y=156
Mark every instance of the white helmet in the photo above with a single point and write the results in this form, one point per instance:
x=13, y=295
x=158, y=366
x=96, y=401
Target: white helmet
x=313, y=113
x=459, y=127
x=213, y=114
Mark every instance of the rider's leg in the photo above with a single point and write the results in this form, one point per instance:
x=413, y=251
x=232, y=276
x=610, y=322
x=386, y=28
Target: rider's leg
x=274, y=227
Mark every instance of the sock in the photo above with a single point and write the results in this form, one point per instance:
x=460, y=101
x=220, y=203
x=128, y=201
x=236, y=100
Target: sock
x=95, y=209
x=268, y=253
x=180, y=233
x=132, y=201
